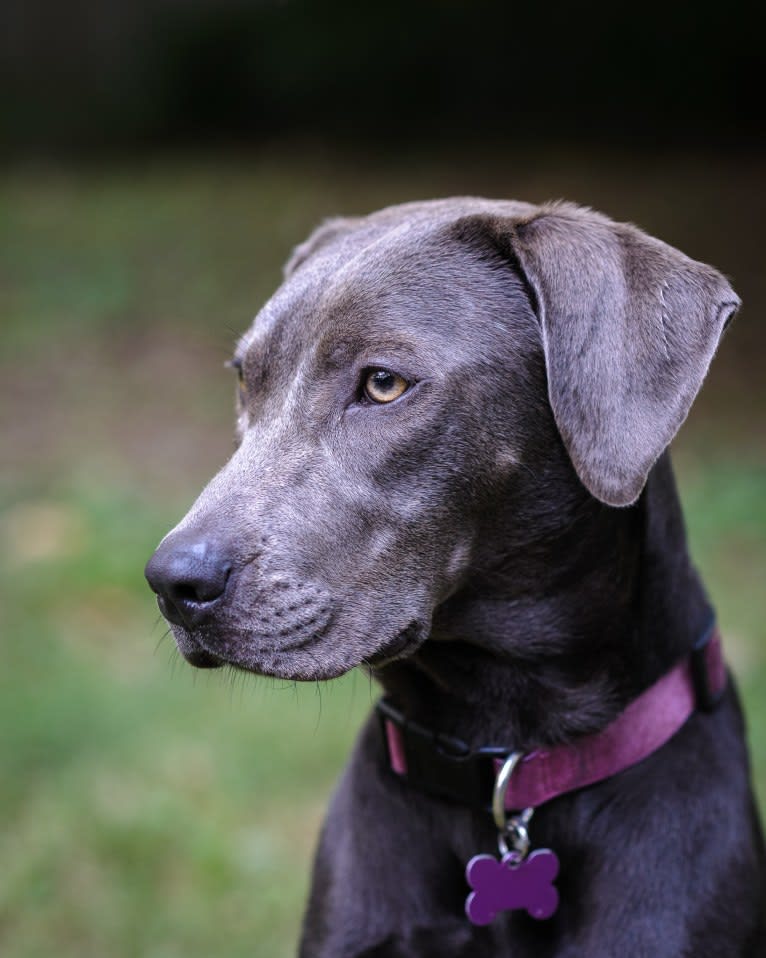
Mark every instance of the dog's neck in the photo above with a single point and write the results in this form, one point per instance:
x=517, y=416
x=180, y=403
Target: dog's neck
x=556, y=642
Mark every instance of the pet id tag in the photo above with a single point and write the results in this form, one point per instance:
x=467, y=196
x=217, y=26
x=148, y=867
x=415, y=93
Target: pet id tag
x=510, y=885
x=518, y=881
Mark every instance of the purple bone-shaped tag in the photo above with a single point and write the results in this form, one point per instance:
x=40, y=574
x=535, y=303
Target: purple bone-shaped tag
x=506, y=885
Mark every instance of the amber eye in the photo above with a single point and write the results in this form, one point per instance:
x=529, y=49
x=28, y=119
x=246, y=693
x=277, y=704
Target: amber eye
x=382, y=386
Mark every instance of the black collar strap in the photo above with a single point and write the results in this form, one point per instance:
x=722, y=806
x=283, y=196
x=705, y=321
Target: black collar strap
x=446, y=767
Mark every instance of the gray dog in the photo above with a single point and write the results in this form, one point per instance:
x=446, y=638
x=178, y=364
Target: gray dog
x=452, y=427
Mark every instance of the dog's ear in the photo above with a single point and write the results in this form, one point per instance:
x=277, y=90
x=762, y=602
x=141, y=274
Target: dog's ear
x=323, y=235
x=629, y=326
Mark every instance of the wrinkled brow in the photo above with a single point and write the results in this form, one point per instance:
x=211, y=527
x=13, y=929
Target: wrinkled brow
x=335, y=353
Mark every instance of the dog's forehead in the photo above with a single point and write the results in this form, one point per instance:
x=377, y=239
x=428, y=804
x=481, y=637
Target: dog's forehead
x=396, y=270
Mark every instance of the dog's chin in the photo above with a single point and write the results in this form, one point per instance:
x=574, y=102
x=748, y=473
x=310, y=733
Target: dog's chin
x=317, y=659
x=192, y=652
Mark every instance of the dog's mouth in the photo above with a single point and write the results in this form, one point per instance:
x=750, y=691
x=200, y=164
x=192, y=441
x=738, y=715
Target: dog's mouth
x=299, y=661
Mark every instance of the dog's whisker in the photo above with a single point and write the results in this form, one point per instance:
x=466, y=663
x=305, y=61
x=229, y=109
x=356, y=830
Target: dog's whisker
x=318, y=693
x=353, y=691
x=161, y=639
x=173, y=659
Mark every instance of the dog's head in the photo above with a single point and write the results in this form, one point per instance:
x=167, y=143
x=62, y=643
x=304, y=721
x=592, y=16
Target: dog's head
x=425, y=376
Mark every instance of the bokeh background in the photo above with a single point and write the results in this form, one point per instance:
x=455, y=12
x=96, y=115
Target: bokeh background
x=159, y=160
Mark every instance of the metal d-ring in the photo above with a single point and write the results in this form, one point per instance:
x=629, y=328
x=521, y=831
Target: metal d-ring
x=512, y=831
x=501, y=787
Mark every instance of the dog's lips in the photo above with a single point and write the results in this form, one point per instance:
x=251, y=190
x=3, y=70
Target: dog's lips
x=296, y=661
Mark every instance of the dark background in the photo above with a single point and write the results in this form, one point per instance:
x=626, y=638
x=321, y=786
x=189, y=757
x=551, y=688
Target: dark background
x=89, y=75
x=159, y=161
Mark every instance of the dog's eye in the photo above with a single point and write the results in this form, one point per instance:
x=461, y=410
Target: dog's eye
x=236, y=364
x=382, y=386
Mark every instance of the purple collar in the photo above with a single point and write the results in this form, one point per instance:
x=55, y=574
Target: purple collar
x=446, y=767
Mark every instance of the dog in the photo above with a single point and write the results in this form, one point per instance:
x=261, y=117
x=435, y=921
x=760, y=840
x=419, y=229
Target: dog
x=452, y=469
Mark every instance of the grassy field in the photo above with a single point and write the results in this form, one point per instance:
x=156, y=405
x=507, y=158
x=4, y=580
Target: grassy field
x=148, y=809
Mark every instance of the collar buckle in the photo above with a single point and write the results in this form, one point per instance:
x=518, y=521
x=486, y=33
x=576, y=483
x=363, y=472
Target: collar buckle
x=440, y=764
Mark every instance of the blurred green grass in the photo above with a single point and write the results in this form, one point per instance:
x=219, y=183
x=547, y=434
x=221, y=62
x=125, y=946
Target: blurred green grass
x=147, y=809
x=152, y=810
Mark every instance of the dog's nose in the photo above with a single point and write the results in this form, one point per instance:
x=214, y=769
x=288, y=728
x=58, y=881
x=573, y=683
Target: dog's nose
x=189, y=579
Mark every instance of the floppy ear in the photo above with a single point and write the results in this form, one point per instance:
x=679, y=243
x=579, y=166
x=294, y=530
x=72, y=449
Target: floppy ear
x=323, y=235
x=629, y=326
